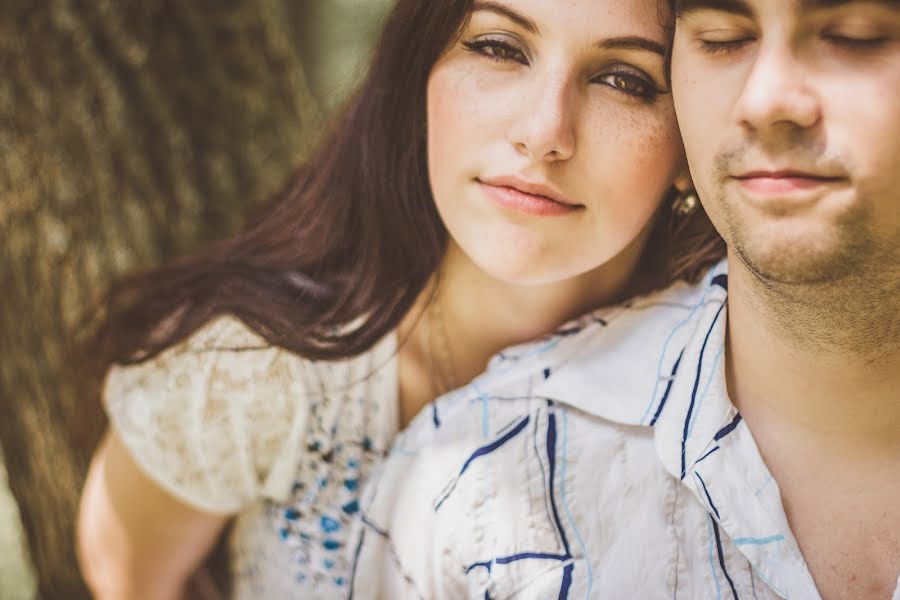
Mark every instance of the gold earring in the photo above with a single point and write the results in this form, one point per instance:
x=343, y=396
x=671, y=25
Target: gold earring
x=685, y=203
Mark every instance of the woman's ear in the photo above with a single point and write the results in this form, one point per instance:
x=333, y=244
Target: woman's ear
x=683, y=182
x=686, y=200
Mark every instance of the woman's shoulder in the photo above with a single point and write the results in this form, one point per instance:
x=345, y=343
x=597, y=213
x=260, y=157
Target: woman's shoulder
x=226, y=354
x=225, y=345
x=218, y=419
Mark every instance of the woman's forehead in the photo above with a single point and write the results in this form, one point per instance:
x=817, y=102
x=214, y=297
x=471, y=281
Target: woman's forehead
x=594, y=18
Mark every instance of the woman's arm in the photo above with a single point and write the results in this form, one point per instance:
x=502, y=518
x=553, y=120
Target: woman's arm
x=135, y=540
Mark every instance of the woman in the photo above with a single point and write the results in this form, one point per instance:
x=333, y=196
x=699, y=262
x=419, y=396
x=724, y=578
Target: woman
x=505, y=167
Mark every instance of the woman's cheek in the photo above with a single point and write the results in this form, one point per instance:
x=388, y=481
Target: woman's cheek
x=455, y=113
x=635, y=157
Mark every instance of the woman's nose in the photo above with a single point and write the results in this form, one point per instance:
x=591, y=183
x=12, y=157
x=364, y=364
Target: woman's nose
x=546, y=127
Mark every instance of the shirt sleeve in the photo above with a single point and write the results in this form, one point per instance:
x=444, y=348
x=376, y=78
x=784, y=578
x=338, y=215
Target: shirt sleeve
x=217, y=420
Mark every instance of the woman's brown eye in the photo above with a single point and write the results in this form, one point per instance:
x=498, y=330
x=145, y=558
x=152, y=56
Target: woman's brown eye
x=629, y=84
x=497, y=50
x=626, y=85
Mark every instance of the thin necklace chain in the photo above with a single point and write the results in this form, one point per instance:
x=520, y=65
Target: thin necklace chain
x=441, y=363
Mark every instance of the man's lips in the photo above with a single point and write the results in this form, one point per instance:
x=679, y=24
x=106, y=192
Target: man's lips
x=783, y=182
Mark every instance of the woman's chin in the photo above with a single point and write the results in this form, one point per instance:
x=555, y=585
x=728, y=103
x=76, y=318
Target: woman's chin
x=525, y=270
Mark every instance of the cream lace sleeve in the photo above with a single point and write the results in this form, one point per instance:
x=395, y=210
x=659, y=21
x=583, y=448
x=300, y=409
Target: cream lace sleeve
x=216, y=420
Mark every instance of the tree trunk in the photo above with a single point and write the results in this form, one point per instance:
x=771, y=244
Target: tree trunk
x=129, y=132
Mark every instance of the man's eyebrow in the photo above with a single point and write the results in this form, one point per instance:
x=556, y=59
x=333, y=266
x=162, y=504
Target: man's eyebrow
x=743, y=8
x=505, y=11
x=811, y=4
x=632, y=42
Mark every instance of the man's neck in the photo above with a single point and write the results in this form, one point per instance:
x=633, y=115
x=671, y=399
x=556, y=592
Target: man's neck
x=816, y=363
x=816, y=376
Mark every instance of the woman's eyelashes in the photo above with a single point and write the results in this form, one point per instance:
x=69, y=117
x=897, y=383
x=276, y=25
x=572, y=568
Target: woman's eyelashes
x=632, y=83
x=497, y=49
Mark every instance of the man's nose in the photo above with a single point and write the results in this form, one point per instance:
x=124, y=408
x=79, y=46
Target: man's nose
x=778, y=92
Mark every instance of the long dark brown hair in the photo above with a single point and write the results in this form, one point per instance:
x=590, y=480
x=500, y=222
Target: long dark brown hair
x=354, y=237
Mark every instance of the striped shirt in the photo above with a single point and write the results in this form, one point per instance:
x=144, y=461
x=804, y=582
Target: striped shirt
x=605, y=461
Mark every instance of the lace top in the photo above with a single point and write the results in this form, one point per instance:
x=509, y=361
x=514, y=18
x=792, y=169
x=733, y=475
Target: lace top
x=229, y=424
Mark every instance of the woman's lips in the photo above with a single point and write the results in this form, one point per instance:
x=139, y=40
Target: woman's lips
x=515, y=199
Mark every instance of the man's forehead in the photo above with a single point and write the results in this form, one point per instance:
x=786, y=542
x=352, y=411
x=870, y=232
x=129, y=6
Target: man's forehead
x=749, y=8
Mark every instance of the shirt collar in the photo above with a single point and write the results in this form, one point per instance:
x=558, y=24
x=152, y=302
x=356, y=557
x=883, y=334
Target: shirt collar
x=659, y=361
x=622, y=364
x=702, y=440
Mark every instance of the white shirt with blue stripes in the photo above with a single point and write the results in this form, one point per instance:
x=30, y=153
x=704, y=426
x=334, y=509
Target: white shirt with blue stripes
x=605, y=461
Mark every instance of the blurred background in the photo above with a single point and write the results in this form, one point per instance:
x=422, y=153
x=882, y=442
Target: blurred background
x=130, y=132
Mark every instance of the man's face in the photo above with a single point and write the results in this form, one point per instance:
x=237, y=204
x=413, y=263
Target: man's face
x=790, y=112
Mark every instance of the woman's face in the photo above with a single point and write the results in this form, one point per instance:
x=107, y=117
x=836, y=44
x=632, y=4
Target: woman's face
x=551, y=135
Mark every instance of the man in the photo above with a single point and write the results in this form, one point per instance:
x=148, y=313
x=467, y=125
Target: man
x=790, y=111
x=737, y=439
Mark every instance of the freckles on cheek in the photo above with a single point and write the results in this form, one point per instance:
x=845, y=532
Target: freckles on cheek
x=636, y=167
x=639, y=154
x=442, y=121
x=450, y=112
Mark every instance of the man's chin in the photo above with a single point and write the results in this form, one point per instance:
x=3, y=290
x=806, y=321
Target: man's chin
x=798, y=262
x=805, y=249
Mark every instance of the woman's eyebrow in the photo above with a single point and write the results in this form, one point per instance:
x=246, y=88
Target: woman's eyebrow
x=505, y=11
x=737, y=7
x=632, y=42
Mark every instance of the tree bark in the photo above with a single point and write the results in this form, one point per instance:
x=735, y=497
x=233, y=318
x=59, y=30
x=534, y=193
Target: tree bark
x=129, y=132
